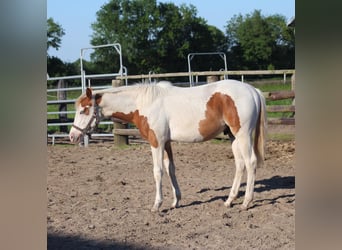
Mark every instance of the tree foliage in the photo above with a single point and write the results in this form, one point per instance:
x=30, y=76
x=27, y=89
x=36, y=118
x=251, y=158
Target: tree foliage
x=54, y=34
x=55, y=66
x=258, y=42
x=154, y=37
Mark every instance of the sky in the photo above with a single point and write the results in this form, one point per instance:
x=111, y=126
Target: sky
x=76, y=17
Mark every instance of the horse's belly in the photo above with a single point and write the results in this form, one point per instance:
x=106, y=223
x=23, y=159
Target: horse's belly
x=192, y=135
x=190, y=129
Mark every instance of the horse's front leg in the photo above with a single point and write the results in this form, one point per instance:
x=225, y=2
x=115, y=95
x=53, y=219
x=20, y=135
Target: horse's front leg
x=157, y=155
x=170, y=169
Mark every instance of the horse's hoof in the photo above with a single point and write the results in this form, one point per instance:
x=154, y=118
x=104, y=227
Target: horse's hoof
x=228, y=204
x=175, y=205
x=243, y=208
x=154, y=210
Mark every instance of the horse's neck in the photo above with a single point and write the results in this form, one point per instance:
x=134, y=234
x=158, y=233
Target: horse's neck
x=121, y=101
x=129, y=99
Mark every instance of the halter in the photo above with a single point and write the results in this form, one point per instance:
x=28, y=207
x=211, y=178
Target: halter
x=88, y=129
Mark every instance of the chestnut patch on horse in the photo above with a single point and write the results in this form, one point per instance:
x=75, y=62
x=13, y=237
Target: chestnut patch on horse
x=142, y=124
x=220, y=108
x=85, y=101
x=125, y=117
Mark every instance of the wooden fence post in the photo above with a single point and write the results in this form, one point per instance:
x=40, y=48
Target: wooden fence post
x=293, y=87
x=119, y=140
x=61, y=95
x=212, y=79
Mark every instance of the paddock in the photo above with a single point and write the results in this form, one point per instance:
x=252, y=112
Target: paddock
x=99, y=198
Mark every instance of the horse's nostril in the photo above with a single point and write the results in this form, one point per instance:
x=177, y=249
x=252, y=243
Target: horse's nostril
x=71, y=137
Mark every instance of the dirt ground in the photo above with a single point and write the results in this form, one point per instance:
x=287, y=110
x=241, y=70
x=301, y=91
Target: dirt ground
x=100, y=197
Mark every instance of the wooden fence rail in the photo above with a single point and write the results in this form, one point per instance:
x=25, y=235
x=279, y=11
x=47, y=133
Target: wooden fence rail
x=279, y=95
x=210, y=73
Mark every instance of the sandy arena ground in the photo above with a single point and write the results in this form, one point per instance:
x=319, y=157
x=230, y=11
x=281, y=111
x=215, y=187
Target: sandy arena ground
x=100, y=198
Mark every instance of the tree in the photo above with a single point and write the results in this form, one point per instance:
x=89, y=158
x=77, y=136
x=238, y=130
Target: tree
x=128, y=23
x=54, y=34
x=258, y=42
x=154, y=37
x=56, y=67
x=181, y=32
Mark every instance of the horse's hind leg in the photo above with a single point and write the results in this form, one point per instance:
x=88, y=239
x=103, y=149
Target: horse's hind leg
x=239, y=164
x=248, y=154
x=170, y=169
x=228, y=132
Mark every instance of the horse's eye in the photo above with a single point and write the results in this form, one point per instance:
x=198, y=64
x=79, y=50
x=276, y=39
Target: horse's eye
x=85, y=111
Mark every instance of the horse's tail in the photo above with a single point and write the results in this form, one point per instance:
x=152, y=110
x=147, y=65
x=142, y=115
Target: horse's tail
x=260, y=131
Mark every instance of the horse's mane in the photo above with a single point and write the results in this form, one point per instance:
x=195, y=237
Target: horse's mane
x=145, y=93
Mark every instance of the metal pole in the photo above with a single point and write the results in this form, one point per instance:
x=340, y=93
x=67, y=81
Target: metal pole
x=83, y=81
x=86, y=140
x=116, y=46
x=191, y=55
x=125, y=70
x=189, y=69
x=82, y=73
x=149, y=76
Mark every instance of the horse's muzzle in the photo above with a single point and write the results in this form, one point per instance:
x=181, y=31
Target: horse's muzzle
x=74, y=136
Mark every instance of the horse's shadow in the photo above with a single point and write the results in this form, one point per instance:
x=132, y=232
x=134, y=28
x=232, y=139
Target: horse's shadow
x=273, y=183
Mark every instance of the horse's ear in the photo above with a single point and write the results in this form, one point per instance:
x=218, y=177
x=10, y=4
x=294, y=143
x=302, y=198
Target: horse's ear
x=89, y=93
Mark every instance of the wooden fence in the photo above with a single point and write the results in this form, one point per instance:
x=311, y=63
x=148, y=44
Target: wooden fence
x=281, y=95
x=241, y=73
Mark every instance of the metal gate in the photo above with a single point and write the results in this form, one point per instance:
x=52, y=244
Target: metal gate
x=83, y=81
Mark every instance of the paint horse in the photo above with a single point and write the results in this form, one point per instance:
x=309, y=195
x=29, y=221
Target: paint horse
x=165, y=113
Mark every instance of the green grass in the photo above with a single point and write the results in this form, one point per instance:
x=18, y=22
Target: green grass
x=270, y=86
x=281, y=137
x=220, y=141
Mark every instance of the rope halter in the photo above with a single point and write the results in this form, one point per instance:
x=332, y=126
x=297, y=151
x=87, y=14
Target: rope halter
x=88, y=129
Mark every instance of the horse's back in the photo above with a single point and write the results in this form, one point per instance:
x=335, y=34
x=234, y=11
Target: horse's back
x=245, y=97
x=193, y=112
x=235, y=89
